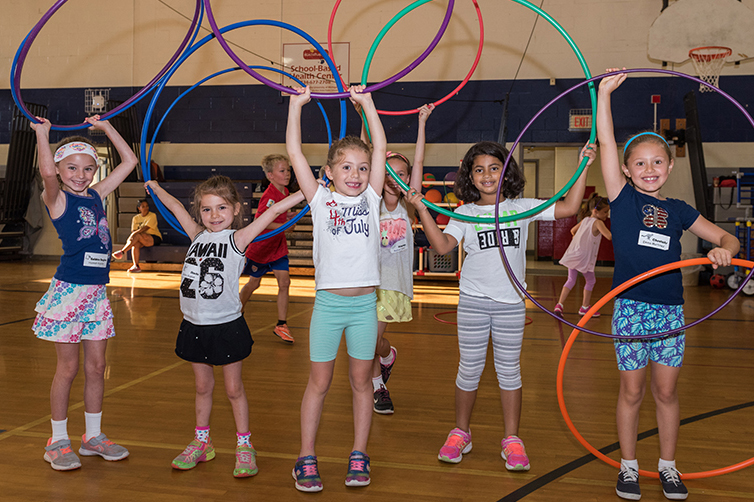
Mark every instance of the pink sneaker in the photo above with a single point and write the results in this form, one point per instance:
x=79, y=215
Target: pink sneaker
x=558, y=309
x=583, y=310
x=458, y=443
x=514, y=454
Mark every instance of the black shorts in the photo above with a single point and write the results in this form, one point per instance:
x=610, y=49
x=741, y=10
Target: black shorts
x=215, y=344
x=157, y=240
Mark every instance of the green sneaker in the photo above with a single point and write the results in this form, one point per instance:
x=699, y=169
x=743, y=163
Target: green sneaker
x=195, y=452
x=246, y=462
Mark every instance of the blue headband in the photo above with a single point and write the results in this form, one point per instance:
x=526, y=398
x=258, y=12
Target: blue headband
x=643, y=134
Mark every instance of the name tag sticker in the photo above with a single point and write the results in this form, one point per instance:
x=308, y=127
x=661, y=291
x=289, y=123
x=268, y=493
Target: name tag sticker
x=654, y=240
x=96, y=260
x=191, y=271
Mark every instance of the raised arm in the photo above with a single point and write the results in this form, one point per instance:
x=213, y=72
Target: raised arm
x=572, y=202
x=379, y=142
x=128, y=158
x=727, y=245
x=609, y=158
x=304, y=175
x=51, y=194
x=442, y=243
x=190, y=226
x=602, y=228
x=417, y=171
x=247, y=234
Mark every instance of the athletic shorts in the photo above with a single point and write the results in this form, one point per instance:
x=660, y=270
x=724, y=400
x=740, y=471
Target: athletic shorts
x=333, y=314
x=255, y=269
x=393, y=306
x=631, y=318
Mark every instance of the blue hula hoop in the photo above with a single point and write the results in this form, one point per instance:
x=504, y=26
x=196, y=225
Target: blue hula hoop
x=146, y=156
x=301, y=213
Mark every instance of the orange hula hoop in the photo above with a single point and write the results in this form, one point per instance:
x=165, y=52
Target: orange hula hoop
x=575, y=333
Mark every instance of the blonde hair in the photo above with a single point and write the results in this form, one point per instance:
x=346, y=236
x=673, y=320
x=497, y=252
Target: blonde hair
x=222, y=187
x=269, y=161
x=349, y=142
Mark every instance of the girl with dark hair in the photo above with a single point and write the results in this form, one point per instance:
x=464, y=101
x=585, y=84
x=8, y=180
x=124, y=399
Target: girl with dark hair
x=489, y=301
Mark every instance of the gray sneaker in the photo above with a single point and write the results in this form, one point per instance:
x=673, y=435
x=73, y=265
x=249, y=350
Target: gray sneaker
x=103, y=447
x=60, y=456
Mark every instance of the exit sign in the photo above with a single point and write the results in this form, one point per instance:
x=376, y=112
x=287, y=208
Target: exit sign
x=580, y=119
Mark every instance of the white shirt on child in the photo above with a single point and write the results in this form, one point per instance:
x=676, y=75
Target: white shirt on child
x=396, y=250
x=346, y=239
x=483, y=273
x=209, y=280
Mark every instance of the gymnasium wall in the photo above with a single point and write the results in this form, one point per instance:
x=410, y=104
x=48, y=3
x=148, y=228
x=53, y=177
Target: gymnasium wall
x=233, y=120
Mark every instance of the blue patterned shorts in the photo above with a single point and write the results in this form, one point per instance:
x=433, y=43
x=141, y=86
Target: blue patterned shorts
x=631, y=318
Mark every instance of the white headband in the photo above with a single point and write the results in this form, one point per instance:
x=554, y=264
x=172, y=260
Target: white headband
x=73, y=148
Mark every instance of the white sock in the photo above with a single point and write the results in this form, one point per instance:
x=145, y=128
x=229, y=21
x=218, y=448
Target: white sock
x=633, y=464
x=59, y=429
x=662, y=464
x=93, y=424
x=377, y=383
x=387, y=361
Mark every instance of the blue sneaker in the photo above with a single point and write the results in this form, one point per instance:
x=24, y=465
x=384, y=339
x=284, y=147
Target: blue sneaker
x=358, y=469
x=306, y=474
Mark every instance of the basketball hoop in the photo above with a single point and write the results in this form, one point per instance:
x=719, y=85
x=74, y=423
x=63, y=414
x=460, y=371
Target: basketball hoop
x=709, y=62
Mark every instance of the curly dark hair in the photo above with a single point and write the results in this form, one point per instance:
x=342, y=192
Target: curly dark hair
x=513, y=183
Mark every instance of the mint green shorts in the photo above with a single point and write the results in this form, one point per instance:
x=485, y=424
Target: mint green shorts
x=333, y=314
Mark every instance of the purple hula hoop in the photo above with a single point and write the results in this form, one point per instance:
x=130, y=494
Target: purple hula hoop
x=505, y=167
x=38, y=27
x=318, y=95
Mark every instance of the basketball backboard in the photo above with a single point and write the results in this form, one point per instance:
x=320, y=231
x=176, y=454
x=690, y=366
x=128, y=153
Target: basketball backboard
x=687, y=24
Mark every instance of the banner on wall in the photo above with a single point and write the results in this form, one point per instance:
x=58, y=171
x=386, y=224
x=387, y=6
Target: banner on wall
x=306, y=63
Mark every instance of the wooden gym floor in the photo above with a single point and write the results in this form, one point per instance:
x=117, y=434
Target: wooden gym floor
x=149, y=404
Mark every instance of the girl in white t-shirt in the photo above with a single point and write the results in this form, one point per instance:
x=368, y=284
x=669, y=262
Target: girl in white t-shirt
x=346, y=251
x=214, y=331
x=581, y=254
x=396, y=261
x=489, y=301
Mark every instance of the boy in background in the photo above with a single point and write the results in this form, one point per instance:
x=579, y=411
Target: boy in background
x=271, y=255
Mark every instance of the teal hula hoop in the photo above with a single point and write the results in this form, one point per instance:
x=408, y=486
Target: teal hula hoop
x=582, y=164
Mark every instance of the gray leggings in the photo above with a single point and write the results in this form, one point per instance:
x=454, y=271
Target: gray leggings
x=477, y=316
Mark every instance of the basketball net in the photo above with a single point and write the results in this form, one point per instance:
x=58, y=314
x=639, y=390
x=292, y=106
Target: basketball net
x=709, y=62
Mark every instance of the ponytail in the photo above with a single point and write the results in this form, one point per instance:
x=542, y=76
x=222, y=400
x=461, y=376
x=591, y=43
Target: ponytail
x=593, y=202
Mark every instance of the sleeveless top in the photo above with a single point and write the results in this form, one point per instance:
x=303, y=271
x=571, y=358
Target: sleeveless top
x=83, y=230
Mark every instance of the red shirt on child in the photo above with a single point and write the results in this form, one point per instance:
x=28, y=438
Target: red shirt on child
x=276, y=247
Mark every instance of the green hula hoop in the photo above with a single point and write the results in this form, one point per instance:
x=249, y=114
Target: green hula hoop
x=592, y=134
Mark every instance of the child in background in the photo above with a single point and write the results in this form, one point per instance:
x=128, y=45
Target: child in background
x=647, y=228
x=581, y=254
x=75, y=308
x=271, y=255
x=213, y=331
x=396, y=261
x=346, y=262
x=489, y=301
x=144, y=234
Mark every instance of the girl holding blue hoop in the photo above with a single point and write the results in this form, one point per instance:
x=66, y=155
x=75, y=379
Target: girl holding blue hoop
x=346, y=271
x=647, y=228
